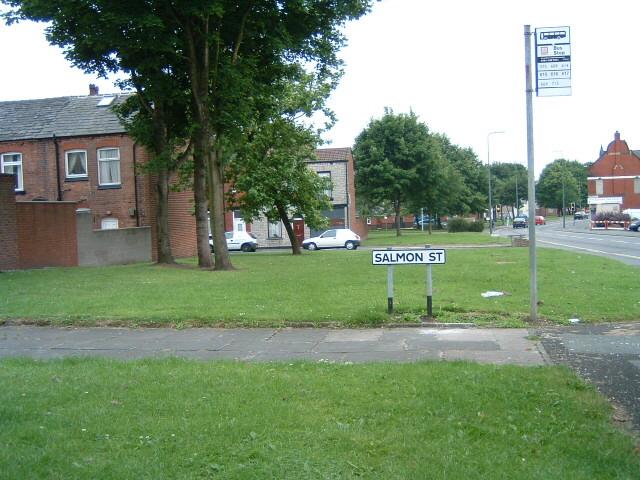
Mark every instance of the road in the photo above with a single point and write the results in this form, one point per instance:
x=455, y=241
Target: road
x=614, y=244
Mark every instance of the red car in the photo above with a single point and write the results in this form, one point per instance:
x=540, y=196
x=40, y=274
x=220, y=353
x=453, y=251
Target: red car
x=540, y=220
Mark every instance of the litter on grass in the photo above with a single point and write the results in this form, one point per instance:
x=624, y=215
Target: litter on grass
x=574, y=320
x=492, y=294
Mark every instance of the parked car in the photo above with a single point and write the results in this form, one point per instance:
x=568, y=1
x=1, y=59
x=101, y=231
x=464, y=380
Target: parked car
x=520, y=222
x=334, y=238
x=580, y=215
x=419, y=221
x=540, y=220
x=634, y=225
x=243, y=241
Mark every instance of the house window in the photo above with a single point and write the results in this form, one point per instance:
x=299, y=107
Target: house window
x=636, y=185
x=599, y=186
x=11, y=163
x=328, y=191
x=109, y=223
x=76, y=163
x=109, y=166
x=275, y=229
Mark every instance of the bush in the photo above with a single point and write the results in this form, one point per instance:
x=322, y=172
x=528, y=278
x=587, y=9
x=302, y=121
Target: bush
x=461, y=225
x=612, y=217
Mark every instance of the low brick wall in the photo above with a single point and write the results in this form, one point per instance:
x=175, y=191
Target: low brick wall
x=111, y=247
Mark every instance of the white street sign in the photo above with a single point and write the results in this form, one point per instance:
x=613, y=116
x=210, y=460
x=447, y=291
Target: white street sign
x=427, y=256
x=553, y=61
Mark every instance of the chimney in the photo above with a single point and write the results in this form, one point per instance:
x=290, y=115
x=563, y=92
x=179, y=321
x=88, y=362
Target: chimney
x=617, y=136
x=93, y=89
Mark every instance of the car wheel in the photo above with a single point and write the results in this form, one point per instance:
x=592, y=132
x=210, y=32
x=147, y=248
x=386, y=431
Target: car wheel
x=350, y=245
x=246, y=247
x=312, y=246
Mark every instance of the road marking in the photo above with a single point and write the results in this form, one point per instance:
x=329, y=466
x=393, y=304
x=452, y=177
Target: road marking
x=592, y=250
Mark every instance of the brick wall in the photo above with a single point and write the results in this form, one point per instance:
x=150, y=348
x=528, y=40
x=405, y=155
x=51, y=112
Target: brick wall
x=47, y=234
x=8, y=227
x=182, y=224
x=617, y=161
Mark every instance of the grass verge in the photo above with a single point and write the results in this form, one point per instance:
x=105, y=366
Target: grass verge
x=91, y=418
x=340, y=287
x=414, y=237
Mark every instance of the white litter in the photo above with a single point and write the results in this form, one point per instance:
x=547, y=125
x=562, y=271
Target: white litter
x=492, y=294
x=574, y=320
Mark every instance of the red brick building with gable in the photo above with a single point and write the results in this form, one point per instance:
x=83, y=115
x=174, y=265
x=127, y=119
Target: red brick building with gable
x=74, y=149
x=614, y=179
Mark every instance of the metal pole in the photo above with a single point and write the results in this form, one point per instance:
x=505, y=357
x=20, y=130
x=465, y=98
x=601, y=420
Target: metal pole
x=429, y=289
x=564, y=209
x=517, y=200
x=422, y=219
x=533, y=281
x=389, y=288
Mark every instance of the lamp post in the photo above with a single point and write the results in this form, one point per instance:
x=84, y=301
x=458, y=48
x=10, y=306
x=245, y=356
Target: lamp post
x=489, y=172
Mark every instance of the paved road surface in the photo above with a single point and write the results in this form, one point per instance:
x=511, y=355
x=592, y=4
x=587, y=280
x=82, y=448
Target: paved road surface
x=607, y=355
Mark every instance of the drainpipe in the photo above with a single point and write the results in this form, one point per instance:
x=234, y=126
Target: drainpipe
x=57, y=150
x=346, y=179
x=135, y=185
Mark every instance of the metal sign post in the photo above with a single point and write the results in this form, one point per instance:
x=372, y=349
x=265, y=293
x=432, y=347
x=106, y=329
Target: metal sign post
x=427, y=256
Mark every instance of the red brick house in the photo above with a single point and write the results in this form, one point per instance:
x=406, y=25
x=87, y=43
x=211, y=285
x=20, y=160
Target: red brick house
x=74, y=149
x=614, y=179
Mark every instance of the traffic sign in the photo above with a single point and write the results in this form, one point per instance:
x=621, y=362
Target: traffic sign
x=553, y=61
x=427, y=256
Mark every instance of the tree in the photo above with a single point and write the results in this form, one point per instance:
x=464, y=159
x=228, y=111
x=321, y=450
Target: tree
x=156, y=116
x=234, y=55
x=395, y=161
x=271, y=178
x=508, y=178
x=562, y=174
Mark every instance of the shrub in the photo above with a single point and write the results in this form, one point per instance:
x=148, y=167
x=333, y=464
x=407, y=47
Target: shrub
x=612, y=217
x=461, y=225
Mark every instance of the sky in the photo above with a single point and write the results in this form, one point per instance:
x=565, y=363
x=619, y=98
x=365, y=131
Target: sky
x=458, y=64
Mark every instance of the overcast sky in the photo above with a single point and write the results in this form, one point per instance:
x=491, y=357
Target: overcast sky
x=459, y=65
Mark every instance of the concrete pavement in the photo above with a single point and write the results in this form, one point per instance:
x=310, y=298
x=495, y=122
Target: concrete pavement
x=497, y=346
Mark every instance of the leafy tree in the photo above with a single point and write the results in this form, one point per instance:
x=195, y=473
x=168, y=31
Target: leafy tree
x=156, y=116
x=234, y=54
x=571, y=174
x=506, y=179
x=396, y=161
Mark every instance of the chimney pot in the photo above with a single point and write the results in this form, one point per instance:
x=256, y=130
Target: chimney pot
x=93, y=89
x=617, y=136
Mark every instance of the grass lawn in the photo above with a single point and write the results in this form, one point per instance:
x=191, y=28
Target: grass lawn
x=413, y=237
x=343, y=287
x=90, y=418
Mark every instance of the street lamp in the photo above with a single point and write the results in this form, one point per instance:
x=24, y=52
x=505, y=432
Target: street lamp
x=489, y=171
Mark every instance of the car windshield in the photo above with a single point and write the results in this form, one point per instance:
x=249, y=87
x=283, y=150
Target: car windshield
x=228, y=235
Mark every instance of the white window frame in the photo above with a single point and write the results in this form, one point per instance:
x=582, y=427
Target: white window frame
x=13, y=163
x=99, y=160
x=327, y=191
x=277, y=226
x=109, y=223
x=66, y=165
x=599, y=186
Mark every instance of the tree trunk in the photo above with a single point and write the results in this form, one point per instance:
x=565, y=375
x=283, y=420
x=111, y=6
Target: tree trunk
x=295, y=245
x=396, y=207
x=163, y=241
x=200, y=199
x=222, y=261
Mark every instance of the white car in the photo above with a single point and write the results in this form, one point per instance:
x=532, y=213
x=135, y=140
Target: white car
x=334, y=238
x=242, y=241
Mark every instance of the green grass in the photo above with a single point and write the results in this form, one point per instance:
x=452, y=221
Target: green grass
x=154, y=419
x=384, y=238
x=342, y=287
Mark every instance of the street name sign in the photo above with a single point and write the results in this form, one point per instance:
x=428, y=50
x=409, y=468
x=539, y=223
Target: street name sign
x=426, y=256
x=553, y=61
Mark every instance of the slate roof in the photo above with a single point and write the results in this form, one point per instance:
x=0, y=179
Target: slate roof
x=63, y=116
x=333, y=154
